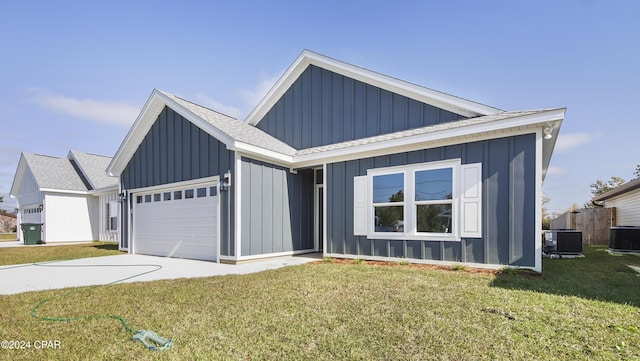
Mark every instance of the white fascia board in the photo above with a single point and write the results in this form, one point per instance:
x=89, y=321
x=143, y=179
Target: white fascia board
x=263, y=154
x=72, y=156
x=538, y=200
x=510, y=126
x=18, y=177
x=105, y=190
x=278, y=89
x=51, y=190
x=445, y=101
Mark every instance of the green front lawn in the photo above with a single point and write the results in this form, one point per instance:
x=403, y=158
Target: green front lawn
x=42, y=253
x=585, y=308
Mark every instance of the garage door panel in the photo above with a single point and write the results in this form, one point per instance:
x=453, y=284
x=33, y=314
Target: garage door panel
x=183, y=228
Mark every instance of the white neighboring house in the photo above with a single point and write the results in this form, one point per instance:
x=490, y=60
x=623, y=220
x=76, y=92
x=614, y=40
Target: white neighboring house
x=71, y=197
x=626, y=199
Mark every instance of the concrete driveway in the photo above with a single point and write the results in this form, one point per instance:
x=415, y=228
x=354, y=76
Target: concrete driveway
x=125, y=268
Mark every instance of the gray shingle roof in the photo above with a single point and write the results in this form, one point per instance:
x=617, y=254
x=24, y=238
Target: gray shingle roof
x=418, y=131
x=93, y=166
x=234, y=128
x=54, y=173
x=627, y=187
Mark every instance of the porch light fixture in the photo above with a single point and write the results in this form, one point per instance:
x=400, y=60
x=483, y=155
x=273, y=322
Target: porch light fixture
x=547, y=132
x=226, y=181
x=122, y=197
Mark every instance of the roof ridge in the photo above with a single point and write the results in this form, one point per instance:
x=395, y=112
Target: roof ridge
x=88, y=153
x=201, y=106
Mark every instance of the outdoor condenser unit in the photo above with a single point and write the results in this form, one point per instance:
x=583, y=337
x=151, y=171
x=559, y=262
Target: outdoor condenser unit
x=624, y=239
x=563, y=242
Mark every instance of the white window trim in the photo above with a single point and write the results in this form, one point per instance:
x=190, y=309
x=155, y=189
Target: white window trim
x=410, y=226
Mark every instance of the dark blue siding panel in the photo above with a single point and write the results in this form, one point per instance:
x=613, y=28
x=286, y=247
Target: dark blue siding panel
x=414, y=249
x=380, y=248
x=496, y=212
x=277, y=209
x=523, y=195
x=452, y=251
x=473, y=250
x=365, y=246
x=175, y=150
x=396, y=249
x=508, y=205
x=322, y=107
x=433, y=250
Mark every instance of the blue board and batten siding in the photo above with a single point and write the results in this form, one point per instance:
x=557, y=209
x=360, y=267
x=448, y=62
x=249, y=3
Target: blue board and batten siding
x=176, y=150
x=322, y=107
x=276, y=209
x=508, y=215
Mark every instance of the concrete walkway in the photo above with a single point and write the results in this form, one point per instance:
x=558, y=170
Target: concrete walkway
x=108, y=269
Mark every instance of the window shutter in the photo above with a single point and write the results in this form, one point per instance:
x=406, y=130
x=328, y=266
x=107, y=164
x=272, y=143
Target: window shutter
x=360, y=196
x=113, y=209
x=471, y=200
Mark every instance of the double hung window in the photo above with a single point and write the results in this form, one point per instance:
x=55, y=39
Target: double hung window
x=428, y=201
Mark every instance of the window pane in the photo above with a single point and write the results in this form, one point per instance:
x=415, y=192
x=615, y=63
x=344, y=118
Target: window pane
x=188, y=193
x=388, y=188
x=435, y=218
x=213, y=191
x=167, y=196
x=434, y=184
x=201, y=192
x=156, y=197
x=319, y=175
x=177, y=195
x=138, y=199
x=389, y=219
x=147, y=198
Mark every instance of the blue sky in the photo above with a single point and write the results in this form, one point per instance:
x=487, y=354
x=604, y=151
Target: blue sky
x=75, y=74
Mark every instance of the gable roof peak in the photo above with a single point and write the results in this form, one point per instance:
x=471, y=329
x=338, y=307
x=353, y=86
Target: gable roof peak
x=422, y=94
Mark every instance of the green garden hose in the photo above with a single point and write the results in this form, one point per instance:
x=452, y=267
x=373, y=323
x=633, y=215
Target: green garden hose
x=149, y=338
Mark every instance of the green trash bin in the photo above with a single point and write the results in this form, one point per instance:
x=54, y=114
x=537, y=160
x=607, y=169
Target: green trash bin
x=31, y=232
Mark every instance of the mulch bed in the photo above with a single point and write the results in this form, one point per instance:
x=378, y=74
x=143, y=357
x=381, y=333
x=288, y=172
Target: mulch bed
x=411, y=265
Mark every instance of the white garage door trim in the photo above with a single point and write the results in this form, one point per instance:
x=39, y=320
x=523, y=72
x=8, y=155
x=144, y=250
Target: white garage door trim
x=183, y=228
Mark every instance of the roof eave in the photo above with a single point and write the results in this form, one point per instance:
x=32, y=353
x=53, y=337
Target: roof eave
x=523, y=124
x=625, y=188
x=152, y=109
x=18, y=176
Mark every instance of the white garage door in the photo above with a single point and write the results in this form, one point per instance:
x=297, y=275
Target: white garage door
x=177, y=222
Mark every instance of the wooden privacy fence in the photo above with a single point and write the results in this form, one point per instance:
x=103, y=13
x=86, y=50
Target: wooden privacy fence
x=593, y=222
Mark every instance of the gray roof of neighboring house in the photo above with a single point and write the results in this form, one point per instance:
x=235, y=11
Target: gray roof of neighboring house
x=93, y=166
x=627, y=187
x=234, y=128
x=54, y=172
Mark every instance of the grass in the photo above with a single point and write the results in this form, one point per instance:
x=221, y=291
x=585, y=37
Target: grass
x=41, y=253
x=6, y=237
x=577, y=309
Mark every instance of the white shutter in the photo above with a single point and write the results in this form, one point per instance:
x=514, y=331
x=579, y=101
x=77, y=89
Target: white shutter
x=113, y=209
x=471, y=200
x=360, y=207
